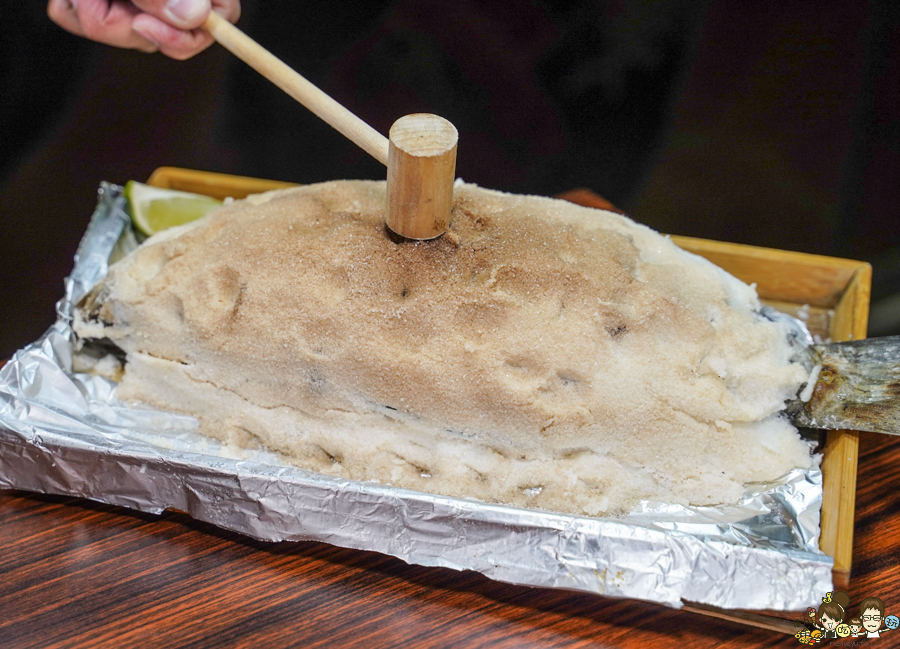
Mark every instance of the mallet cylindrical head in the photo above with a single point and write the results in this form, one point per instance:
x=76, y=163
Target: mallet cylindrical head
x=420, y=175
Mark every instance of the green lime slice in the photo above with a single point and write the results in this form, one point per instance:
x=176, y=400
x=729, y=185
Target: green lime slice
x=154, y=209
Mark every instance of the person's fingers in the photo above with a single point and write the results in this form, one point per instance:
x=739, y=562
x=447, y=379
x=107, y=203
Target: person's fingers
x=62, y=12
x=107, y=22
x=101, y=21
x=181, y=43
x=169, y=26
x=230, y=10
x=183, y=14
x=175, y=43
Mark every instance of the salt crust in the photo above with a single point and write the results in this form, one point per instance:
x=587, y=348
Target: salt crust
x=539, y=354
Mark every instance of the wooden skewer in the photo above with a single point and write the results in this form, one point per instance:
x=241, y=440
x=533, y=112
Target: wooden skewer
x=298, y=87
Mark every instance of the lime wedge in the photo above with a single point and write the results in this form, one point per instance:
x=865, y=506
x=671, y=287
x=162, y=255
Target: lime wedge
x=154, y=209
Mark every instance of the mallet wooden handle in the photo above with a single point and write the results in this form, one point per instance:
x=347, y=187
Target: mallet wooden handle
x=272, y=68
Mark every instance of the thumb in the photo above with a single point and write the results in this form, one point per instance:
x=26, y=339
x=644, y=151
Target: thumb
x=183, y=14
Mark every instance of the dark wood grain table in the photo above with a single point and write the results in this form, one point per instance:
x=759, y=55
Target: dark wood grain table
x=75, y=573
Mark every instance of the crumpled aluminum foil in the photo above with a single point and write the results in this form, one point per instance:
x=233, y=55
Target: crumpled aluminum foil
x=65, y=433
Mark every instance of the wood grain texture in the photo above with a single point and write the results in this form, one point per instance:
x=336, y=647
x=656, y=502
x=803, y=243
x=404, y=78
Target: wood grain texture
x=74, y=573
x=217, y=185
x=780, y=274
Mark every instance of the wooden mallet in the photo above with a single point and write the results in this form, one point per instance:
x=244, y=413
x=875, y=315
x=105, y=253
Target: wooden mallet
x=420, y=172
x=420, y=156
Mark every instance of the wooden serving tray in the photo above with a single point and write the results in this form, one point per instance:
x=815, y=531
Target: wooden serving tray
x=831, y=294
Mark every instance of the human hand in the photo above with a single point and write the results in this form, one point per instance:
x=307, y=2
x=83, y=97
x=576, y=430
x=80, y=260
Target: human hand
x=172, y=27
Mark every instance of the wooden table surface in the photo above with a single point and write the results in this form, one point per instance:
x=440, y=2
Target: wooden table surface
x=75, y=573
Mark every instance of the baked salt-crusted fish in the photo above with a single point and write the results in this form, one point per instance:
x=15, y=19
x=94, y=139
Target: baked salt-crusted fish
x=540, y=353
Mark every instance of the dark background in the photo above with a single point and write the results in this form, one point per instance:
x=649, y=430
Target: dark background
x=773, y=122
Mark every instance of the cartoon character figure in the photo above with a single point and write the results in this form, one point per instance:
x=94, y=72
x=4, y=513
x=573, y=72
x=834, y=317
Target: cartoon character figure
x=830, y=620
x=811, y=623
x=871, y=611
x=811, y=612
x=809, y=637
x=856, y=628
x=831, y=612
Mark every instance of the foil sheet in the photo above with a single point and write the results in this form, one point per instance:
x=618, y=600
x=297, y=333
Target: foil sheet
x=65, y=433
